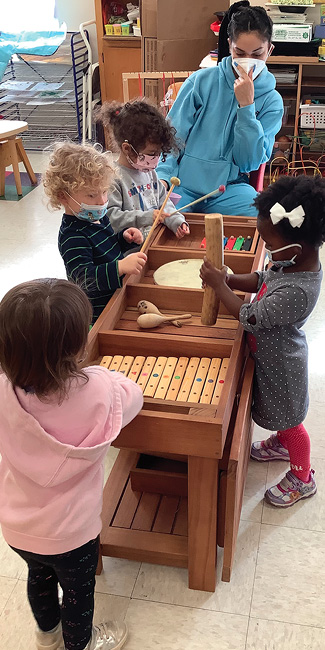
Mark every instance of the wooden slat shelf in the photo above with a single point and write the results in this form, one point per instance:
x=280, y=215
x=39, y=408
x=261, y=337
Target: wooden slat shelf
x=313, y=82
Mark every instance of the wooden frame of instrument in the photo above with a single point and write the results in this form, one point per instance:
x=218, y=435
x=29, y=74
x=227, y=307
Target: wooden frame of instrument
x=194, y=431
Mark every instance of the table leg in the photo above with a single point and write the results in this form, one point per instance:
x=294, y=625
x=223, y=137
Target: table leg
x=2, y=180
x=26, y=162
x=14, y=162
x=202, y=522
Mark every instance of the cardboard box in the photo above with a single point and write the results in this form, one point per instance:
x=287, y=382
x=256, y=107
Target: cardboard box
x=177, y=56
x=174, y=19
x=292, y=33
x=149, y=55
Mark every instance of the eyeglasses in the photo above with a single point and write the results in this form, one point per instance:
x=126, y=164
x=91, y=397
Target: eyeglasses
x=142, y=156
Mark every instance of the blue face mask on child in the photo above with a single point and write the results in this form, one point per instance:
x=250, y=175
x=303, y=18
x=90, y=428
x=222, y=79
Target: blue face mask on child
x=90, y=213
x=282, y=263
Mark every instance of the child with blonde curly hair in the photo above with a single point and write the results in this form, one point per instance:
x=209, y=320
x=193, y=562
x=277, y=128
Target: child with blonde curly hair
x=79, y=178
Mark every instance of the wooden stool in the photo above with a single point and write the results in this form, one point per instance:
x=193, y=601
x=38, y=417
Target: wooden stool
x=12, y=153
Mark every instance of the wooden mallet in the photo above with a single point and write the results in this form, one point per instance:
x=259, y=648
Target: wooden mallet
x=174, y=182
x=214, y=253
x=220, y=190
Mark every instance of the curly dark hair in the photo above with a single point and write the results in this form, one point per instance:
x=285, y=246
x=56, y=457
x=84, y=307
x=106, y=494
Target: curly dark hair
x=290, y=192
x=241, y=18
x=138, y=122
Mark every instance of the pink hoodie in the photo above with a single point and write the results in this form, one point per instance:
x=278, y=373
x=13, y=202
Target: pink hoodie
x=52, y=467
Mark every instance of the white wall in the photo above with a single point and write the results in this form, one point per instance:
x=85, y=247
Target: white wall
x=74, y=12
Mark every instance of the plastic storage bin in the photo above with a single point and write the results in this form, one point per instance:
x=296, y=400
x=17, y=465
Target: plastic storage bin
x=312, y=115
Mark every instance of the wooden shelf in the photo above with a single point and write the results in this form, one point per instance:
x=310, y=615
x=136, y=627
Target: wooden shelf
x=313, y=82
x=117, y=39
x=282, y=86
x=293, y=60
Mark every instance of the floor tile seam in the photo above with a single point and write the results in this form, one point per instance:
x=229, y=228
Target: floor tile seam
x=254, y=577
x=7, y=601
x=322, y=532
x=201, y=609
x=276, y=620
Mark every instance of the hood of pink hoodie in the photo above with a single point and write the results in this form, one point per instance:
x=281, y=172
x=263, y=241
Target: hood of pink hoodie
x=34, y=453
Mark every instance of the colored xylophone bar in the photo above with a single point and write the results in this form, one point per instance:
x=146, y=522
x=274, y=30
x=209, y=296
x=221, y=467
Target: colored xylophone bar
x=233, y=243
x=171, y=378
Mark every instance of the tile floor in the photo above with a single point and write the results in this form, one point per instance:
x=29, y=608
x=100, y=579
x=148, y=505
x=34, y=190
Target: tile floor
x=276, y=598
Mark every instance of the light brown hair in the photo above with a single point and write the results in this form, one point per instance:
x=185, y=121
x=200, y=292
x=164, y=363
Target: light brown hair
x=44, y=326
x=73, y=167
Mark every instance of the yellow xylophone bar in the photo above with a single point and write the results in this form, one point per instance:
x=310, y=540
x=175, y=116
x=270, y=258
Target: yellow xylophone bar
x=185, y=379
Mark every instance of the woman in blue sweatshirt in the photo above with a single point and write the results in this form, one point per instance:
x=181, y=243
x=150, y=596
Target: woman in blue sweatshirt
x=227, y=118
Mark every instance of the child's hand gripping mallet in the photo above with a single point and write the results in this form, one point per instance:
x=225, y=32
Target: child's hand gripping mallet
x=174, y=182
x=214, y=253
x=221, y=189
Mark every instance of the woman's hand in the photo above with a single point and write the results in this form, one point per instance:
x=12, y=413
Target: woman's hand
x=133, y=235
x=213, y=277
x=244, y=87
x=182, y=231
x=165, y=184
x=132, y=264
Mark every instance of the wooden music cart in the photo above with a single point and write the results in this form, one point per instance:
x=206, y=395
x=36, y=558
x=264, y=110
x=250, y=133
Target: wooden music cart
x=164, y=509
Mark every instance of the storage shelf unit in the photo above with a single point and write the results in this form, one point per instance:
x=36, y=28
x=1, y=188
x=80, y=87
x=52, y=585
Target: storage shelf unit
x=307, y=82
x=48, y=121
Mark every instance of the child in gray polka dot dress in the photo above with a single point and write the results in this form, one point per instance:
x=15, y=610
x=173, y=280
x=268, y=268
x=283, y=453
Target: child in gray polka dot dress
x=291, y=221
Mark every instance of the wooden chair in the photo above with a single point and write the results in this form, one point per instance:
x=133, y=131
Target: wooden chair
x=12, y=153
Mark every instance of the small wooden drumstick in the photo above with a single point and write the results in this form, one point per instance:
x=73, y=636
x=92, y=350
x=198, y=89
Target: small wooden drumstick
x=174, y=182
x=221, y=189
x=146, y=321
x=214, y=250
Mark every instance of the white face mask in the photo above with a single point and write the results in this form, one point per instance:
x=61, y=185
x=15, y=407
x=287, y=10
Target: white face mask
x=282, y=263
x=247, y=64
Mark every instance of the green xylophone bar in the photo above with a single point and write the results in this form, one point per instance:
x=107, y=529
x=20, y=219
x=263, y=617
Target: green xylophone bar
x=238, y=243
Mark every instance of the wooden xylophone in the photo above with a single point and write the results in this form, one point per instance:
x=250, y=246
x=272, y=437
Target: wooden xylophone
x=233, y=243
x=196, y=380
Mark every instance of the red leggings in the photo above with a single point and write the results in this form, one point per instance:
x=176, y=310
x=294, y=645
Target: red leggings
x=297, y=442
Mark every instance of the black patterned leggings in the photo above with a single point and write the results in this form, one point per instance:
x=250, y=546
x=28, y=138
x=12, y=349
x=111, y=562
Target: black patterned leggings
x=75, y=572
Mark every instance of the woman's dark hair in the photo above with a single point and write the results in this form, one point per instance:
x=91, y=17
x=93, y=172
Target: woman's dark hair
x=138, y=122
x=290, y=192
x=240, y=18
x=44, y=325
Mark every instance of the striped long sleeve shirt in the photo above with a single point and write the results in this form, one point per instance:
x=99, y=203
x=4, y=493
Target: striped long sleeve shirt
x=91, y=252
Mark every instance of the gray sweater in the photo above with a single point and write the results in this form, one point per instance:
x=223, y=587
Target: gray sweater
x=134, y=197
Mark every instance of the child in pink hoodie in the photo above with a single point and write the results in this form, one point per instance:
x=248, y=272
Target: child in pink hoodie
x=56, y=425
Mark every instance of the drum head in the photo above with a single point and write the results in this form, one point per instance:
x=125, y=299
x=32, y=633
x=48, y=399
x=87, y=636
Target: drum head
x=180, y=273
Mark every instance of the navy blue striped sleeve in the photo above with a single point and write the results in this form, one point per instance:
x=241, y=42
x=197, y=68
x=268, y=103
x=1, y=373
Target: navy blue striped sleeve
x=77, y=255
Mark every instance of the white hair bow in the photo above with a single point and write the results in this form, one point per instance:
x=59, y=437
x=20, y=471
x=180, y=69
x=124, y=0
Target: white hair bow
x=296, y=216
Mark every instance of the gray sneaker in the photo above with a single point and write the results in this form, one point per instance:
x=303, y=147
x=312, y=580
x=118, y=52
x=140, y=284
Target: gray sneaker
x=290, y=490
x=270, y=449
x=111, y=635
x=52, y=640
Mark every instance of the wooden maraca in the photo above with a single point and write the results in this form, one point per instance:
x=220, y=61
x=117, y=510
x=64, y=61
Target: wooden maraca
x=146, y=307
x=147, y=321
